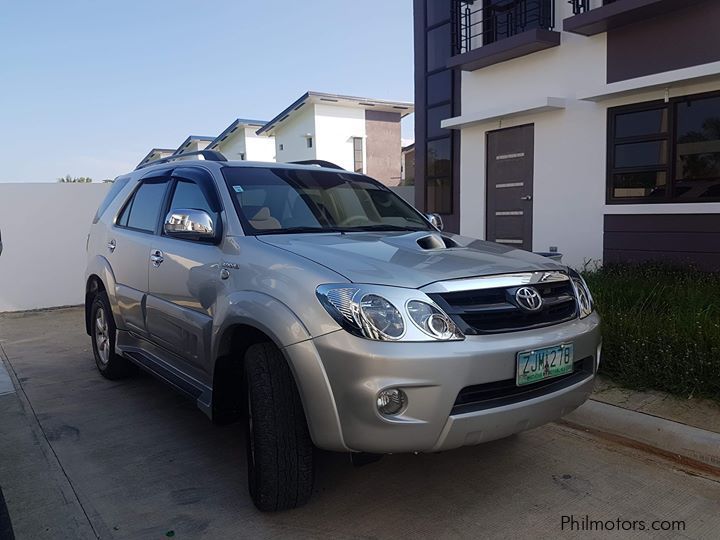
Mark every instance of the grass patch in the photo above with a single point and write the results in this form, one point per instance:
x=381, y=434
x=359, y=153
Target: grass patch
x=661, y=328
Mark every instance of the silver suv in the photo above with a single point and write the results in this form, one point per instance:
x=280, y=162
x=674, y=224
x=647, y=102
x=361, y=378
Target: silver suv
x=324, y=310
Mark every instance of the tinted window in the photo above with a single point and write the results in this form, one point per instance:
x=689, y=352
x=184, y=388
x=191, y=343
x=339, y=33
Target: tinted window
x=435, y=115
x=439, y=87
x=698, y=139
x=189, y=195
x=641, y=123
x=438, y=47
x=143, y=212
x=666, y=152
x=438, y=157
x=641, y=154
x=110, y=197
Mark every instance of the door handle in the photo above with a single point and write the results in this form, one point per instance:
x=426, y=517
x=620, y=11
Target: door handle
x=111, y=245
x=526, y=198
x=156, y=256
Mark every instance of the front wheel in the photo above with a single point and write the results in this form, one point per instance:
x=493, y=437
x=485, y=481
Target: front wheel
x=279, y=447
x=110, y=364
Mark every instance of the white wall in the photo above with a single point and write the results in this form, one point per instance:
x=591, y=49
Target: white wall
x=44, y=230
x=570, y=144
x=234, y=145
x=335, y=128
x=259, y=147
x=291, y=134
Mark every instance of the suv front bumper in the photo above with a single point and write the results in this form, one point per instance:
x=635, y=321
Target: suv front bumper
x=344, y=416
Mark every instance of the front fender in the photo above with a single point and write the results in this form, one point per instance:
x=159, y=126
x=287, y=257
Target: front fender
x=260, y=311
x=100, y=267
x=284, y=327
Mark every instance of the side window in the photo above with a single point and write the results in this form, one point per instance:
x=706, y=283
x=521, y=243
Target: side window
x=189, y=195
x=116, y=188
x=142, y=212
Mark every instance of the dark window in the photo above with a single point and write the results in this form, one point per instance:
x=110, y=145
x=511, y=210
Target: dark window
x=439, y=47
x=309, y=142
x=110, y=197
x=665, y=152
x=438, y=187
x=438, y=11
x=438, y=157
x=435, y=115
x=358, y=161
x=439, y=87
x=142, y=212
x=282, y=147
x=189, y=195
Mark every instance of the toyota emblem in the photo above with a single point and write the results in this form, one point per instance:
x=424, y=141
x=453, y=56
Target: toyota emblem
x=528, y=299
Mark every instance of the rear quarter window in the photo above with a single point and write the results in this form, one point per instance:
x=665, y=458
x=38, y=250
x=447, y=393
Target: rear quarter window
x=116, y=188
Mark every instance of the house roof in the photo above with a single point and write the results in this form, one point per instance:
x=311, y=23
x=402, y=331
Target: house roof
x=239, y=122
x=190, y=139
x=404, y=108
x=154, y=151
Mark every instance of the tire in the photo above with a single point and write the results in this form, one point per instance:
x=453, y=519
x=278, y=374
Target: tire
x=279, y=447
x=103, y=333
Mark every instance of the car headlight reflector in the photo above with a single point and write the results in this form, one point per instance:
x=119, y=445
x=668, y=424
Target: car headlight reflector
x=381, y=313
x=379, y=319
x=431, y=320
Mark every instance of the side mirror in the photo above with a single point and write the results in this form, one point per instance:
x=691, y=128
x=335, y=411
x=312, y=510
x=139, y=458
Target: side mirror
x=189, y=224
x=435, y=220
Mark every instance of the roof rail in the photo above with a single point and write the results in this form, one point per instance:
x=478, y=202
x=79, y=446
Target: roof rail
x=319, y=163
x=207, y=155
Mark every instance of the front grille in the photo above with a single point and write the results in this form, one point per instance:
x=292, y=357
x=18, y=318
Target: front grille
x=496, y=394
x=493, y=311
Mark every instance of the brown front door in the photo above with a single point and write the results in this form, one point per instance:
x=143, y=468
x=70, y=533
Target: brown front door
x=510, y=186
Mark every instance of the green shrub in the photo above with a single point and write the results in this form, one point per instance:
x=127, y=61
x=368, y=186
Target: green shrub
x=661, y=328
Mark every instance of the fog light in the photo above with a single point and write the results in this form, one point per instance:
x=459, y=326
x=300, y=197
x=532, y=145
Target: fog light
x=391, y=401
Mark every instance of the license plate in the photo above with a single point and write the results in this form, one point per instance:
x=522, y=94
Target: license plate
x=546, y=363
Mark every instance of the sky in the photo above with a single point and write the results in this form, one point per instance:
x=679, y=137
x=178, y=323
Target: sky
x=87, y=88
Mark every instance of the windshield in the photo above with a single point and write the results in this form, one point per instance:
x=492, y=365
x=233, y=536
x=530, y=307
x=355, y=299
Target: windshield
x=277, y=200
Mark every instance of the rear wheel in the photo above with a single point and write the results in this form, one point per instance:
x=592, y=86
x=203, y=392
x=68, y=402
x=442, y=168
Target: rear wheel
x=103, y=331
x=279, y=448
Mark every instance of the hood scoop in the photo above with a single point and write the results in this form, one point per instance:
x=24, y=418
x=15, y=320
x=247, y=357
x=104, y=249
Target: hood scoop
x=436, y=241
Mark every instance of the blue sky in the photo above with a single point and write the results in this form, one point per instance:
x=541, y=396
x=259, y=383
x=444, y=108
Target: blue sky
x=88, y=87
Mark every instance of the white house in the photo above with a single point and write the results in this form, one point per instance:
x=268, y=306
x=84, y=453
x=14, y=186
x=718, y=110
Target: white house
x=239, y=141
x=358, y=134
x=155, y=154
x=591, y=127
x=193, y=143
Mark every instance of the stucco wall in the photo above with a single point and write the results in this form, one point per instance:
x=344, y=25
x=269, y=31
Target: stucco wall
x=291, y=135
x=384, y=149
x=259, y=147
x=44, y=230
x=335, y=128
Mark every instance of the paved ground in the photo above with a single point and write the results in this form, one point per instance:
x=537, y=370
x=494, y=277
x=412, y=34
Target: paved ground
x=83, y=457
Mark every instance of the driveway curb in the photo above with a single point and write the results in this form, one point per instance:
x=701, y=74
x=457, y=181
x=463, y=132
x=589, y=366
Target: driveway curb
x=680, y=442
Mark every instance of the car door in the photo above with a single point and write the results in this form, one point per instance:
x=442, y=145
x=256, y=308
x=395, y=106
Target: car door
x=128, y=249
x=185, y=277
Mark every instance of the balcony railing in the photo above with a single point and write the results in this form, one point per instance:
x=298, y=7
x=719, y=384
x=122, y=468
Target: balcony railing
x=581, y=6
x=480, y=22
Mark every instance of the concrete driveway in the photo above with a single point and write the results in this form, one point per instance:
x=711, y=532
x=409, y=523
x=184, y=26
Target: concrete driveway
x=83, y=457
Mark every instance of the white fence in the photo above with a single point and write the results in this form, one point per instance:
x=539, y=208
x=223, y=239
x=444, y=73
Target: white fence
x=44, y=228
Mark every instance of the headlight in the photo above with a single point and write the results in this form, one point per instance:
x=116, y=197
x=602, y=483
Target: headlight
x=582, y=293
x=431, y=320
x=383, y=313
